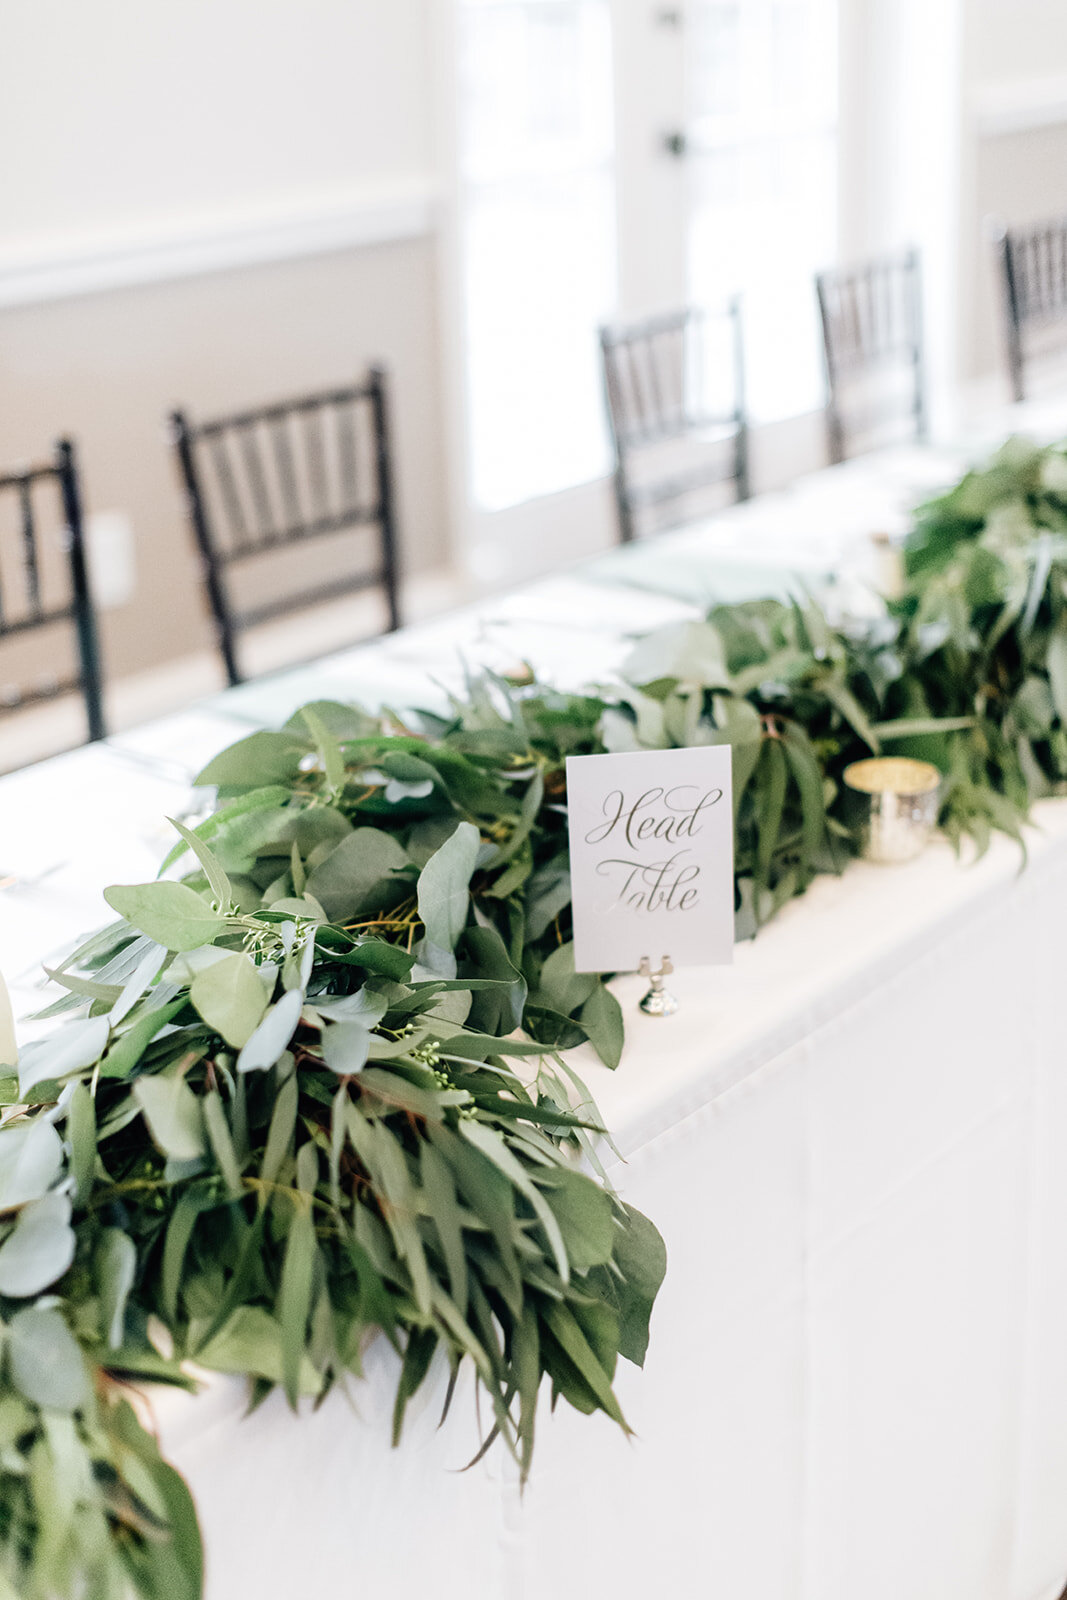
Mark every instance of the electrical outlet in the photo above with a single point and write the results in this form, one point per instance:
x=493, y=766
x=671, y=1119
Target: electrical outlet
x=109, y=548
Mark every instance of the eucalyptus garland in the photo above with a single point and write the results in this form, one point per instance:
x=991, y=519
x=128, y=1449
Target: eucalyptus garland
x=285, y=1118
x=315, y=1088
x=966, y=668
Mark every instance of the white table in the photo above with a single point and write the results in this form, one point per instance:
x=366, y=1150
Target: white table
x=857, y=1383
x=851, y=1140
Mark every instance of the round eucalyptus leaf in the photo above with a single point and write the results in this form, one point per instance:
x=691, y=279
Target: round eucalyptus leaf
x=31, y=1156
x=171, y=913
x=230, y=997
x=40, y=1249
x=173, y=1114
x=47, y=1366
x=345, y=1046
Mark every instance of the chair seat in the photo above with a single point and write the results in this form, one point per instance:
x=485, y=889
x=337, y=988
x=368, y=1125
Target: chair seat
x=305, y=599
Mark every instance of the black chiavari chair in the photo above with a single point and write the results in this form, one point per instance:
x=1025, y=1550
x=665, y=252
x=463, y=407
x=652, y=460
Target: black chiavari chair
x=1033, y=277
x=38, y=592
x=281, y=476
x=872, y=331
x=670, y=442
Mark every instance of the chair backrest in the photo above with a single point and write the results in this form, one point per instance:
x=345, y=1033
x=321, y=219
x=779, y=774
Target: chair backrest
x=657, y=379
x=282, y=475
x=1033, y=276
x=871, y=318
x=44, y=582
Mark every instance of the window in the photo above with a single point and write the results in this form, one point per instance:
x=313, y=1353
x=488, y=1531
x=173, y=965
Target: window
x=762, y=138
x=537, y=218
x=752, y=208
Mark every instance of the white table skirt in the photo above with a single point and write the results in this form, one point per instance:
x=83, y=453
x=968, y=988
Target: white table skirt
x=857, y=1382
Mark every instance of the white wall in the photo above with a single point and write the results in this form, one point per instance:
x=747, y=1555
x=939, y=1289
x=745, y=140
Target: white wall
x=1016, y=83
x=124, y=113
x=212, y=202
x=1013, y=40
x=953, y=111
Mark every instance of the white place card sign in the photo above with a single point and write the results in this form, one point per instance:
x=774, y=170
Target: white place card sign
x=652, y=847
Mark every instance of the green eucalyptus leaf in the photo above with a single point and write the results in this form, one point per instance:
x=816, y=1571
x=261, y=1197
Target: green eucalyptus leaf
x=1056, y=661
x=31, y=1159
x=72, y=1048
x=264, y=758
x=81, y=1134
x=227, y=827
x=214, y=872
x=231, y=998
x=329, y=750
x=548, y=893
x=358, y=875
x=116, y=1268
x=294, y=1300
x=280, y=1134
x=492, y=1145
x=561, y=988
x=171, y=913
x=601, y=1017
x=573, y=1343
x=365, y=1006
x=641, y=1258
x=345, y=1046
x=690, y=652
x=139, y=981
x=40, y=1249
x=221, y=1141
x=266, y=1044
x=440, y=1190
x=585, y=1214
x=250, y=1343
x=495, y=1008
x=47, y=1366
x=127, y=1047
x=173, y=1114
x=444, y=886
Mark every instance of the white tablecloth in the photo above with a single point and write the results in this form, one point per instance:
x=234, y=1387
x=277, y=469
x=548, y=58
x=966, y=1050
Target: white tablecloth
x=851, y=1140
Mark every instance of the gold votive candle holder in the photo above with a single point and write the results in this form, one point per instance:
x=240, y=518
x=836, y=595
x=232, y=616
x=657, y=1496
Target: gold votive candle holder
x=901, y=798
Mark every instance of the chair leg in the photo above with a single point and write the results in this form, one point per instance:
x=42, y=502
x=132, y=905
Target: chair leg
x=835, y=435
x=1015, y=365
x=84, y=614
x=742, y=482
x=228, y=649
x=210, y=566
x=627, y=531
x=387, y=526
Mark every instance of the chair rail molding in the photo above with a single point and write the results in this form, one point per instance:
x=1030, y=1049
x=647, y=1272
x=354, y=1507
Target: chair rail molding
x=171, y=247
x=1018, y=106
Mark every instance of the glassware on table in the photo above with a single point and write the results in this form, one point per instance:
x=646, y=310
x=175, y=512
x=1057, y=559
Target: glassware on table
x=901, y=798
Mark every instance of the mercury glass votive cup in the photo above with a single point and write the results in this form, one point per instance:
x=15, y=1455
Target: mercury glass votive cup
x=902, y=799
